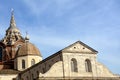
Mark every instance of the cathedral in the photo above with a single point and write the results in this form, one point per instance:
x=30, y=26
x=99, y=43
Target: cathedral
x=21, y=60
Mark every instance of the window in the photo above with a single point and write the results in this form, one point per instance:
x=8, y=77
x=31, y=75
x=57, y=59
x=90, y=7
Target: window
x=32, y=62
x=88, y=66
x=49, y=65
x=37, y=73
x=32, y=76
x=23, y=64
x=27, y=78
x=43, y=70
x=74, y=65
x=1, y=50
x=22, y=79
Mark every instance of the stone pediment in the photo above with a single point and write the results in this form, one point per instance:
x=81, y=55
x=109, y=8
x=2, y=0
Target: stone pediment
x=79, y=47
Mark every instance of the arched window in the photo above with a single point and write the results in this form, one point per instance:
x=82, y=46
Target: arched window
x=74, y=65
x=32, y=62
x=23, y=64
x=1, y=50
x=88, y=66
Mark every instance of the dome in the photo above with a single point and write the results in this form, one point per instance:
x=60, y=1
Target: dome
x=28, y=49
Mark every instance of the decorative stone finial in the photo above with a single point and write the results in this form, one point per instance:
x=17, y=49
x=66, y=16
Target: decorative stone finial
x=12, y=11
x=12, y=21
x=27, y=36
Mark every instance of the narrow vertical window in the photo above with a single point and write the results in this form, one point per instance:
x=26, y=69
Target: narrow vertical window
x=1, y=50
x=74, y=65
x=32, y=62
x=37, y=73
x=23, y=64
x=27, y=78
x=43, y=70
x=88, y=66
x=32, y=77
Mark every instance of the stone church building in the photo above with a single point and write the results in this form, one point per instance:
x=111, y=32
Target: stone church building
x=22, y=60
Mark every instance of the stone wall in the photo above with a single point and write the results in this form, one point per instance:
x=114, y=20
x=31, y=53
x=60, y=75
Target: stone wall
x=45, y=68
x=58, y=65
x=27, y=59
x=55, y=67
x=8, y=76
x=103, y=71
x=80, y=58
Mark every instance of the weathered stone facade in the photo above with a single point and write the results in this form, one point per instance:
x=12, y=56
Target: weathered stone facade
x=59, y=65
x=21, y=60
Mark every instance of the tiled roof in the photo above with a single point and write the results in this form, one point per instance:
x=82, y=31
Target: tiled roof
x=28, y=49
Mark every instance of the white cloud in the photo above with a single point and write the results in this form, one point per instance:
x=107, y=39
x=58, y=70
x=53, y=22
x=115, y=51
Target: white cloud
x=53, y=41
x=90, y=24
x=36, y=6
x=56, y=7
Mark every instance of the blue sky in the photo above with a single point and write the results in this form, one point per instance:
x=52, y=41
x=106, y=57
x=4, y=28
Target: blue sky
x=55, y=24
